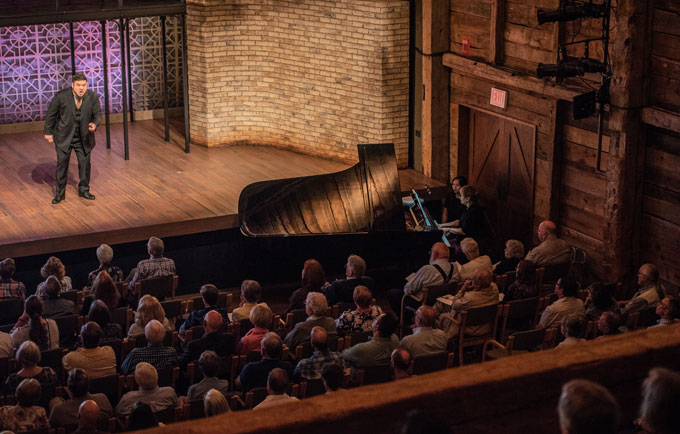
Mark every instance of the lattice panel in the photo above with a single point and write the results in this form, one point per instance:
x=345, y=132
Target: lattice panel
x=35, y=63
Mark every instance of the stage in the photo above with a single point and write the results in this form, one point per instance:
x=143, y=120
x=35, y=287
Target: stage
x=160, y=191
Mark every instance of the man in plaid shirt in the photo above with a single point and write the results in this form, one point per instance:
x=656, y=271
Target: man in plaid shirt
x=155, y=266
x=310, y=368
x=154, y=353
x=10, y=288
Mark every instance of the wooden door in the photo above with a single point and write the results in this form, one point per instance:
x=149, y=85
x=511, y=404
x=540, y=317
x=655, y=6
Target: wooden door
x=501, y=168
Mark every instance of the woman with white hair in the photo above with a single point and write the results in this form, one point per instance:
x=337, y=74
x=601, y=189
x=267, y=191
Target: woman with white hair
x=215, y=403
x=514, y=252
x=105, y=257
x=474, y=262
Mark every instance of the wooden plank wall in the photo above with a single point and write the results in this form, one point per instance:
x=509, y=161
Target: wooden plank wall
x=660, y=238
x=527, y=43
x=470, y=20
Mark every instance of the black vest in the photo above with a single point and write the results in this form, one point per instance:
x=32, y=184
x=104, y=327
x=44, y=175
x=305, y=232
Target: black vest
x=78, y=117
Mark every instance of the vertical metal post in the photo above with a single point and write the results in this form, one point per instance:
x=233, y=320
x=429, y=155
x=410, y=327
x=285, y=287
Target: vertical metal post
x=105, y=59
x=185, y=84
x=72, y=44
x=166, y=101
x=121, y=26
x=129, y=68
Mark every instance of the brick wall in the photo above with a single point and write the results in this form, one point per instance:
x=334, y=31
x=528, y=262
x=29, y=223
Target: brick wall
x=314, y=76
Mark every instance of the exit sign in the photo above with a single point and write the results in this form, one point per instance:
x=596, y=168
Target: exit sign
x=499, y=98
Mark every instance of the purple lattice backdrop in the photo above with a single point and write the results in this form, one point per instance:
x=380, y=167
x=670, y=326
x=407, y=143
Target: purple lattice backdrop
x=35, y=63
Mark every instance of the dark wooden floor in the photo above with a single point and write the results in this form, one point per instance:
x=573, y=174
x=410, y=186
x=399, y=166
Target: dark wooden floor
x=160, y=190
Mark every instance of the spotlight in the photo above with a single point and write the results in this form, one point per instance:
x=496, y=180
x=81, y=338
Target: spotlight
x=569, y=11
x=570, y=68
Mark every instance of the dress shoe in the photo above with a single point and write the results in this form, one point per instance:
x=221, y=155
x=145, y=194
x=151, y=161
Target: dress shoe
x=57, y=199
x=87, y=195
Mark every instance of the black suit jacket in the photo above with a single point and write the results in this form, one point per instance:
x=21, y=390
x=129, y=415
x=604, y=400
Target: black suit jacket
x=223, y=344
x=60, y=119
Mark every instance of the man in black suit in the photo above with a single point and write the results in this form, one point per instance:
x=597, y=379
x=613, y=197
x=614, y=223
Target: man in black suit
x=223, y=344
x=71, y=120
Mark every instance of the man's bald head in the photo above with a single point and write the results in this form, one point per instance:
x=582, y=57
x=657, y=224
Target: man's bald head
x=319, y=338
x=547, y=229
x=154, y=332
x=425, y=316
x=88, y=414
x=482, y=279
x=212, y=321
x=439, y=251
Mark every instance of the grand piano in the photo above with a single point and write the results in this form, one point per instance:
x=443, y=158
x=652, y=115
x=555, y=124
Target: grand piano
x=365, y=198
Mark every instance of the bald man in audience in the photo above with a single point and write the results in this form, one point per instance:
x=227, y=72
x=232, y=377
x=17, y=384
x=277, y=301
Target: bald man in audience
x=438, y=271
x=158, y=398
x=400, y=361
x=649, y=292
x=552, y=250
x=425, y=340
x=277, y=385
x=254, y=374
x=310, y=368
x=97, y=361
x=88, y=413
x=155, y=353
x=213, y=339
x=480, y=291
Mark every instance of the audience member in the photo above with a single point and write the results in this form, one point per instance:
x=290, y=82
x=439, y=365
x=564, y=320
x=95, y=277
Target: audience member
x=425, y=340
x=254, y=374
x=342, y=290
x=28, y=356
x=400, y=361
x=26, y=415
x=105, y=258
x=32, y=326
x=313, y=280
x=55, y=306
x=480, y=291
x=261, y=317
x=470, y=249
x=586, y=407
x=148, y=308
x=438, y=271
x=277, y=385
x=422, y=422
x=599, y=300
x=567, y=303
x=209, y=364
x=6, y=347
x=573, y=329
x=251, y=292
x=104, y=289
x=65, y=413
x=316, y=307
x=210, y=296
x=215, y=403
x=361, y=319
x=100, y=314
x=96, y=361
x=513, y=253
x=155, y=266
x=155, y=353
x=524, y=285
x=223, y=344
x=650, y=292
x=608, y=324
x=452, y=206
x=53, y=267
x=142, y=417
x=660, y=402
x=668, y=310
x=552, y=250
x=377, y=351
x=158, y=398
x=10, y=288
x=88, y=415
x=332, y=376
x=310, y=368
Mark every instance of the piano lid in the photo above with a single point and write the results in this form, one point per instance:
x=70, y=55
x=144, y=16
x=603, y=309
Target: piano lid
x=365, y=197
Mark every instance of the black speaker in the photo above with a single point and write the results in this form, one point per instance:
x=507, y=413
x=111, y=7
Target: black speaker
x=584, y=105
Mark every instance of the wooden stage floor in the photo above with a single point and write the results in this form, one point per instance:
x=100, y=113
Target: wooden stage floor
x=160, y=191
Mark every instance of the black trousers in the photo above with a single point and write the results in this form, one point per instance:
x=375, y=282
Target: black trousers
x=63, y=158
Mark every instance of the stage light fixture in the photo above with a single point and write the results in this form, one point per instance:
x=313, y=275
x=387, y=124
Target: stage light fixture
x=569, y=11
x=570, y=68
